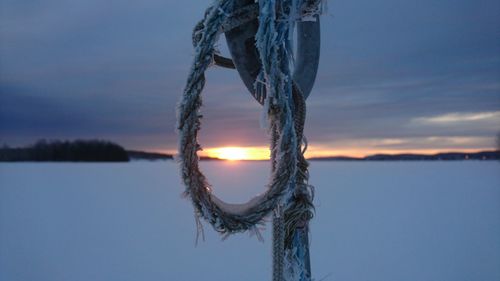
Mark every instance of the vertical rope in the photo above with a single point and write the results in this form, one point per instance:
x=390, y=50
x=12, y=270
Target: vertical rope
x=289, y=193
x=278, y=244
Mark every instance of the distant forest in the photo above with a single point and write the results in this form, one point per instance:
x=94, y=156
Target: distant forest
x=66, y=151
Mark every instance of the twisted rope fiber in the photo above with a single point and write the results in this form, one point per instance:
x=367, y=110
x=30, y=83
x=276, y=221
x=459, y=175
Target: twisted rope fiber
x=278, y=244
x=274, y=46
x=288, y=189
x=189, y=120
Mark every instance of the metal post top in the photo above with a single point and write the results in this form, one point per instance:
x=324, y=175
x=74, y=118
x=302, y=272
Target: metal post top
x=240, y=29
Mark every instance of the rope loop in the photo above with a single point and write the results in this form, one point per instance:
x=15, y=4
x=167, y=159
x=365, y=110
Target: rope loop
x=285, y=115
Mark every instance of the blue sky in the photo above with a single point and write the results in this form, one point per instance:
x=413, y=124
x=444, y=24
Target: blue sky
x=395, y=75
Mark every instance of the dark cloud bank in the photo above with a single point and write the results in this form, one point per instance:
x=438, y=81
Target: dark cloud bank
x=115, y=70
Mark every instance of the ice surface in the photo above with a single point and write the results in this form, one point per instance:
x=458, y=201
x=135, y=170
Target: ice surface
x=388, y=221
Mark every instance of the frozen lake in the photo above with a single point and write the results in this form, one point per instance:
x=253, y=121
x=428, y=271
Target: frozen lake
x=380, y=221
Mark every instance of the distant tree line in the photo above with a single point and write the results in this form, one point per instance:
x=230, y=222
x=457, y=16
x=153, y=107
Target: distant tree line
x=151, y=156
x=69, y=151
x=498, y=141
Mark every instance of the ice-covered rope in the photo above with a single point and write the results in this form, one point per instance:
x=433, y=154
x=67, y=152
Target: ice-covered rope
x=197, y=187
x=288, y=190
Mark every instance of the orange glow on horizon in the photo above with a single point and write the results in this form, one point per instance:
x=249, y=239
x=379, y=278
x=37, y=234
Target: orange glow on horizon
x=318, y=152
x=238, y=153
x=235, y=153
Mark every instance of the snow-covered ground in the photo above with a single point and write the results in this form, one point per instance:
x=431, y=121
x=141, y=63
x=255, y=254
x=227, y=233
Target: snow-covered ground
x=387, y=221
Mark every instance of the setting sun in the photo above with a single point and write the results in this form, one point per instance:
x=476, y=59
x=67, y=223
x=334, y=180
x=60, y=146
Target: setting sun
x=238, y=153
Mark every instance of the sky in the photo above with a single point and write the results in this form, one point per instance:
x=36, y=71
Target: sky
x=394, y=76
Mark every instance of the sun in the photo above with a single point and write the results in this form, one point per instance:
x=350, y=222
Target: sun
x=234, y=153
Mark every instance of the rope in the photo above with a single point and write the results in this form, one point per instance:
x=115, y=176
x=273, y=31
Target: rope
x=280, y=118
x=288, y=193
x=278, y=244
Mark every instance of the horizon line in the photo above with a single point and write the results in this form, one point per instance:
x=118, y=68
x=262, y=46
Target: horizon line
x=422, y=152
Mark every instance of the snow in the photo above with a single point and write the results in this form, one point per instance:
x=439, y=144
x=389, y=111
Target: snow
x=389, y=221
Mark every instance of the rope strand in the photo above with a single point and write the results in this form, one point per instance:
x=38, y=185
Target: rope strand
x=288, y=193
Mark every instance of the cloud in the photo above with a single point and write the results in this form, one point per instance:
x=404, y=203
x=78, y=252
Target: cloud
x=117, y=69
x=427, y=145
x=460, y=118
